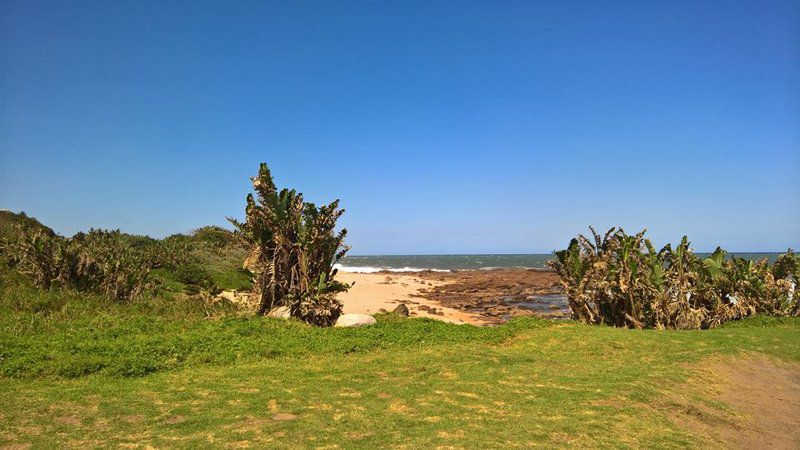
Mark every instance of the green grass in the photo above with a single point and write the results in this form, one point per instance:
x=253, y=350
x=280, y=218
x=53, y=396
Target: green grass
x=78, y=371
x=224, y=265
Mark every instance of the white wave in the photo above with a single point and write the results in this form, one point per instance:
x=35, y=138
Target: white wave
x=372, y=269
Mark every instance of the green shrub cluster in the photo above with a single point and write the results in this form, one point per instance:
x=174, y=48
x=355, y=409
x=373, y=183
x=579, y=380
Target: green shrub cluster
x=621, y=280
x=98, y=261
x=196, y=278
x=123, y=266
x=293, y=248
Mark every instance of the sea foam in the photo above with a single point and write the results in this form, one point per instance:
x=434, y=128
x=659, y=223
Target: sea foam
x=372, y=269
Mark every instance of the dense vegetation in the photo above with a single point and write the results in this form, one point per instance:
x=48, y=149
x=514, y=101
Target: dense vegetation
x=178, y=367
x=11, y=222
x=622, y=280
x=119, y=266
x=293, y=247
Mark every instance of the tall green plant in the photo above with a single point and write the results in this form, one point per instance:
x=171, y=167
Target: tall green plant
x=294, y=247
x=99, y=261
x=621, y=280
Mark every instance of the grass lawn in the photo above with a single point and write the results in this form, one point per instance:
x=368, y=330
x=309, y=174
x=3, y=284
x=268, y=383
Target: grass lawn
x=137, y=377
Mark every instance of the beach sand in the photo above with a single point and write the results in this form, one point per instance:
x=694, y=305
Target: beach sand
x=478, y=297
x=375, y=291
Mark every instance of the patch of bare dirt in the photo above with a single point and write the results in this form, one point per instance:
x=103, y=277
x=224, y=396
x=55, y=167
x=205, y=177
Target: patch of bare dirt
x=69, y=420
x=762, y=400
x=135, y=418
x=175, y=419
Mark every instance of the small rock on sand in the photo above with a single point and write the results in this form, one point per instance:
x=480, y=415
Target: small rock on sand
x=281, y=312
x=355, y=320
x=401, y=310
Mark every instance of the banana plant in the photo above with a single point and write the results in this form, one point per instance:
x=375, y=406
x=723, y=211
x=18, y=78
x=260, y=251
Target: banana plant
x=621, y=280
x=293, y=248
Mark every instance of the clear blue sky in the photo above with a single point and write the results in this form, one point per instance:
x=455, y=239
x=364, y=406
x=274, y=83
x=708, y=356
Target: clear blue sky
x=444, y=127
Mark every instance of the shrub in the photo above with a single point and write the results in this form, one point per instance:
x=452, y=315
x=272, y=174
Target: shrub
x=621, y=280
x=99, y=261
x=168, y=253
x=293, y=248
x=215, y=237
x=195, y=278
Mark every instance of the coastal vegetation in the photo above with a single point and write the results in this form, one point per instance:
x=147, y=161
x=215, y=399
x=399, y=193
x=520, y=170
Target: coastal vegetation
x=622, y=280
x=98, y=261
x=112, y=339
x=122, y=267
x=293, y=248
x=288, y=245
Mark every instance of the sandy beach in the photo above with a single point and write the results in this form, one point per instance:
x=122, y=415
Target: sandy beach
x=373, y=292
x=478, y=297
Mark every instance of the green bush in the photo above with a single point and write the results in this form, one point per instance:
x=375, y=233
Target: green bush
x=99, y=261
x=621, y=280
x=196, y=278
x=193, y=274
x=293, y=248
x=215, y=237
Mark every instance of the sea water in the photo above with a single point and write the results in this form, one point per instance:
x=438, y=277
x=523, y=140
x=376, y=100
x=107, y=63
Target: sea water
x=413, y=263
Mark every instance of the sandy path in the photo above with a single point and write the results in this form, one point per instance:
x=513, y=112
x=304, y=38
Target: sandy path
x=761, y=397
x=375, y=291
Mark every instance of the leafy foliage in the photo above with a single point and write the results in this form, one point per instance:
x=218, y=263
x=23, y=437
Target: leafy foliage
x=99, y=261
x=621, y=280
x=196, y=278
x=11, y=222
x=121, y=265
x=293, y=249
x=216, y=237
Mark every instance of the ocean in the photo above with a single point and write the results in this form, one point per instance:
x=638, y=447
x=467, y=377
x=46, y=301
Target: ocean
x=413, y=263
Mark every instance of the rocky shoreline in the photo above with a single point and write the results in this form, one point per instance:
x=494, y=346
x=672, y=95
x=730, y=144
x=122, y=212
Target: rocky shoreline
x=495, y=295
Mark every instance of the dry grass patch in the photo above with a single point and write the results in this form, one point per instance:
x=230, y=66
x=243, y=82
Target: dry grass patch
x=755, y=402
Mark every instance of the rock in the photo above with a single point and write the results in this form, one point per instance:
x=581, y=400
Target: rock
x=424, y=307
x=281, y=312
x=401, y=310
x=355, y=320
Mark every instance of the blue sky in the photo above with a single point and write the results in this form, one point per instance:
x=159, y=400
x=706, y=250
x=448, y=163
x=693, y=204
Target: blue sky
x=444, y=127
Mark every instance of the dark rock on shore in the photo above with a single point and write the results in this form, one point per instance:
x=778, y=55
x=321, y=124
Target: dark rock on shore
x=401, y=310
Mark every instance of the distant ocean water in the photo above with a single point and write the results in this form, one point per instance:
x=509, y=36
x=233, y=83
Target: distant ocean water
x=413, y=263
